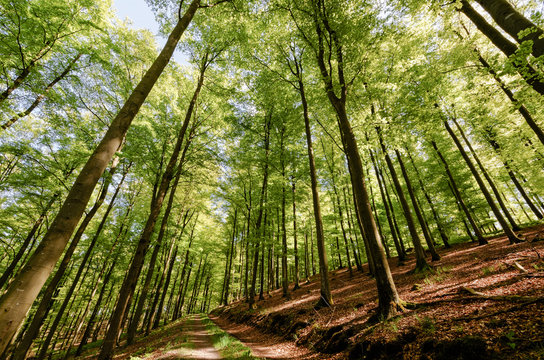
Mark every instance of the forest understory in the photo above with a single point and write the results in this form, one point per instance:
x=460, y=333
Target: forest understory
x=505, y=322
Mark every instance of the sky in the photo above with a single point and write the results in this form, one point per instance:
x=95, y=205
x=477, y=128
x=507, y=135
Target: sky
x=143, y=18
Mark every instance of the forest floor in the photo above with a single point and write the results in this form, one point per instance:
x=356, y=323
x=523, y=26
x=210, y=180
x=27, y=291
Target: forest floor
x=503, y=318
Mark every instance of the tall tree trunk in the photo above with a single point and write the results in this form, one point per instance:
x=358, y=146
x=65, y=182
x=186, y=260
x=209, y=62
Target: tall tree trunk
x=284, y=272
x=94, y=313
x=45, y=302
x=490, y=181
x=133, y=327
x=524, y=112
x=16, y=302
x=527, y=72
x=421, y=263
x=129, y=284
x=441, y=230
x=401, y=254
x=42, y=96
x=258, y=223
x=228, y=267
x=83, y=264
x=417, y=210
x=515, y=180
x=513, y=22
x=507, y=230
x=377, y=219
x=177, y=307
x=459, y=198
x=157, y=317
x=8, y=272
x=263, y=243
x=352, y=230
x=297, y=285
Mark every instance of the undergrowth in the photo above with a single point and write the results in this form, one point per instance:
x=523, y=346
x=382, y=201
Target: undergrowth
x=228, y=346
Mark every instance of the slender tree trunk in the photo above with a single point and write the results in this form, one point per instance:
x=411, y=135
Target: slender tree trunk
x=507, y=230
x=527, y=72
x=524, y=112
x=9, y=271
x=44, y=305
x=258, y=223
x=20, y=295
x=157, y=317
x=133, y=327
x=441, y=230
x=129, y=284
x=513, y=22
x=459, y=198
x=401, y=254
x=225, y=299
x=177, y=308
x=350, y=231
x=514, y=179
x=490, y=181
x=417, y=210
x=284, y=272
x=377, y=219
x=297, y=285
x=263, y=243
x=42, y=96
x=421, y=263
x=94, y=313
x=83, y=264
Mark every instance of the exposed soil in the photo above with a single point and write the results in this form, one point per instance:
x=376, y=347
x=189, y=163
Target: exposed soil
x=184, y=339
x=448, y=323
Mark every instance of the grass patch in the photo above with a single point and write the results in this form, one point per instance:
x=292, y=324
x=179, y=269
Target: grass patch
x=228, y=346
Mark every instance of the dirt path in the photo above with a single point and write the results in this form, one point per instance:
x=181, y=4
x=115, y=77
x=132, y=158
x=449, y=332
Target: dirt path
x=198, y=343
x=264, y=345
x=199, y=337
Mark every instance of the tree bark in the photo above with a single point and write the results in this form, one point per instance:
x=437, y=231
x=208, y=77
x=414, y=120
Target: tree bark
x=284, y=272
x=441, y=230
x=490, y=181
x=297, y=285
x=513, y=22
x=42, y=96
x=526, y=71
x=16, y=302
x=459, y=198
x=228, y=267
x=417, y=210
x=129, y=284
x=421, y=263
x=524, y=112
x=82, y=265
x=8, y=272
x=507, y=230
x=400, y=252
x=258, y=223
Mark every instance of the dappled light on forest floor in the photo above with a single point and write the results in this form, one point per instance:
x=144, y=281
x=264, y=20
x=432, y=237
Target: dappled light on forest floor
x=445, y=311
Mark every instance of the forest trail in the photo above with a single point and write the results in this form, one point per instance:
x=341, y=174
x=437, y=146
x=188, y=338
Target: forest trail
x=263, y=346
x=186, y=339
x=200, y=338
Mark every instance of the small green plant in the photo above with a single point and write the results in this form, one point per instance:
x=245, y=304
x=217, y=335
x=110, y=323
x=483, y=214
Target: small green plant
x=510, y=338
x=460, y=329
x=488, y=270
x=427, y=325
x=229, y=347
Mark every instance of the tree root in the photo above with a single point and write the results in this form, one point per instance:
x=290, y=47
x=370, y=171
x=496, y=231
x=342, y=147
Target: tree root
x=512, y=308
x=514, y=298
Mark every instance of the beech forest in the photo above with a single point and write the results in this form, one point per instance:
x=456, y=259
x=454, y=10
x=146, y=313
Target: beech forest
x=272, y=179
